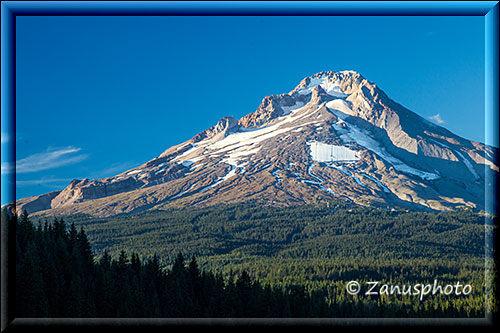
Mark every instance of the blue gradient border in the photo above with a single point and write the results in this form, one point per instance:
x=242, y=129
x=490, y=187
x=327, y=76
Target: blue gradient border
x=491, y=75
x=11, y=9
x=245, y=8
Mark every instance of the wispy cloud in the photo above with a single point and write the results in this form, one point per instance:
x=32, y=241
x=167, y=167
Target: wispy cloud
x=44, y=182
x=51, y=159
x=437, y=119
x=113, y=170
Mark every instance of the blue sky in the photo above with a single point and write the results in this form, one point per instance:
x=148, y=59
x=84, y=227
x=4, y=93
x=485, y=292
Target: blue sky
x=99, y=95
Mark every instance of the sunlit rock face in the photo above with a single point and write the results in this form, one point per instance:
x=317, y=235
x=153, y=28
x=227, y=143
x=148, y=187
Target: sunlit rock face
x=336, y=136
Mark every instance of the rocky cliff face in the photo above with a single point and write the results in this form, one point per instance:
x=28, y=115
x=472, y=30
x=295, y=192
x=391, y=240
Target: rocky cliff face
x=335, y=136
x=224, y=127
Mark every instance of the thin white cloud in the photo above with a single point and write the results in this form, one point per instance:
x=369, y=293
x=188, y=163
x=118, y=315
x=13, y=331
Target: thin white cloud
x=51, y=159
x=113, y=170
x=43, y=182
x=437, y=119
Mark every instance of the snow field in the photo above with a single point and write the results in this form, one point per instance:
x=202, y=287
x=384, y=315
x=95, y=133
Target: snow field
x=354, y=134
x=322, y=152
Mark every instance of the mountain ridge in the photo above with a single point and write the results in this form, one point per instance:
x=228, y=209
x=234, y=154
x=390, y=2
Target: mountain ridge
x=368, y=150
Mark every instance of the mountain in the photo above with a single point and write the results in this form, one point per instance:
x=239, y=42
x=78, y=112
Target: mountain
x=335, y=136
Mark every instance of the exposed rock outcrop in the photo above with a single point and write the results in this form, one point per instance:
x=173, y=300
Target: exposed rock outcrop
x=370, y=150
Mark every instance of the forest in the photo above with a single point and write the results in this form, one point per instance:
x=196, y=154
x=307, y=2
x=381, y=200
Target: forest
x=57, y=276
x=331, y=230
x=60, y=273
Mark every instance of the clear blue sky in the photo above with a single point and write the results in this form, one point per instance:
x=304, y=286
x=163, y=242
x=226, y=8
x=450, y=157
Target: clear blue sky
x=99, y=95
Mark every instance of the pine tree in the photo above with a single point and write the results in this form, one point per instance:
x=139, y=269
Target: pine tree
x=244, y=292
x=31, y=300
x=85, y=253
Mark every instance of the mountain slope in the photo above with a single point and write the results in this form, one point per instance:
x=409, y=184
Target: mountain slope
x=335, y=136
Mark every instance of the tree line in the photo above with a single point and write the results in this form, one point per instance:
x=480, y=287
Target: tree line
x=302, y=232
x=57, y=276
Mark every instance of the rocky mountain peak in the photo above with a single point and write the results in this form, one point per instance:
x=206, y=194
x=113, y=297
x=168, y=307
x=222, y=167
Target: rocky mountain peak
x=223, y=127
x=225, y=124
x=336, y=135
x=345, y=80
x=268, y=109
x=313, y=89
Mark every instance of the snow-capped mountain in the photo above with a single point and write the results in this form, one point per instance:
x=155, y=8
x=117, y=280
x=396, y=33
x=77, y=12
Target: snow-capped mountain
x=335, y=136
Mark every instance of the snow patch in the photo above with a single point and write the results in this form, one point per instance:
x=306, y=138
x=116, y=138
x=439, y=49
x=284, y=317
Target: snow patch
x=246, y=141
x=289, y=109
x=231, y=173
x=187, y=152
x=161, y=170
x=182, y=192
x=376, y=181
x=309, y=172
x=332, y=88
x=340, y=105
x=274, y=173
x=347, y=172
x=354, y=134
x=468, y=165
x=322, y=152
x=320, y=183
